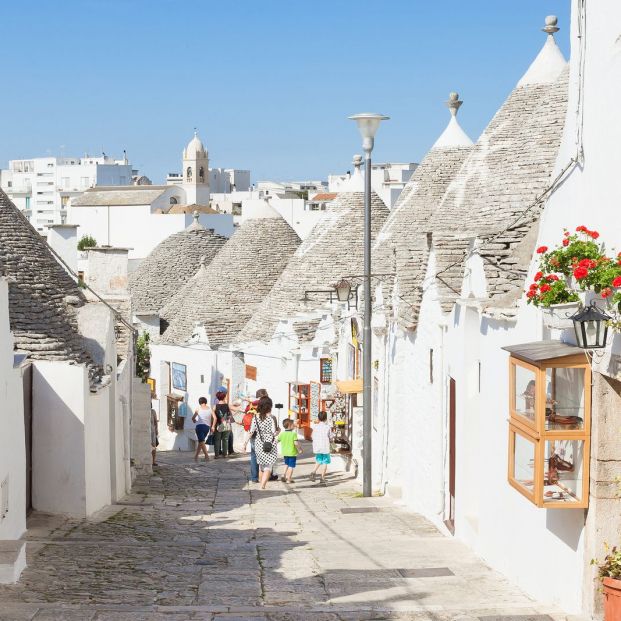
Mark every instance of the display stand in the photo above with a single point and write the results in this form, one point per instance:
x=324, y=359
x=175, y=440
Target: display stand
x=550, y=424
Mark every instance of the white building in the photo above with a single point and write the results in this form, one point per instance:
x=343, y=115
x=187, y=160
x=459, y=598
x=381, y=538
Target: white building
x=139, y=217
x=42, y=187
x=300, y=212
x=387, y=180
x=198, y=180
x=80, y=395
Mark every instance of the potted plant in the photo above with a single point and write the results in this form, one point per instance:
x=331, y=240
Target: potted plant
x=573, y=274
x=610, y=574
x=557, y=301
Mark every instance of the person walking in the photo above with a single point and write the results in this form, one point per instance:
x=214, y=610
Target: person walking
x=202, y=418
x=290, y=448
x=155, y=437
x=263, y=429
x=221, y=425
x=321, y=446
x=249, y=414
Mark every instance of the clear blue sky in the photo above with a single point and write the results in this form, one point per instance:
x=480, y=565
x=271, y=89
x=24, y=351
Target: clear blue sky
x=269, y=83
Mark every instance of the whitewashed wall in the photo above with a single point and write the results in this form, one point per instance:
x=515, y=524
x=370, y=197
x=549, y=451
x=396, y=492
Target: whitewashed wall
x=12, y=445
x=71, y=467
x=118, y=226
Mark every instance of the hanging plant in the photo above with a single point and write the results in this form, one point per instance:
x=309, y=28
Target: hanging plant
x=578, y=263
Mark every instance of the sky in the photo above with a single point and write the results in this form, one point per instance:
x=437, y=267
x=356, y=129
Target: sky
x=268, y=83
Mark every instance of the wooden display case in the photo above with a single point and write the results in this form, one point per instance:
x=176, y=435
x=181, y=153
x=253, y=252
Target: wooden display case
x=550, y=424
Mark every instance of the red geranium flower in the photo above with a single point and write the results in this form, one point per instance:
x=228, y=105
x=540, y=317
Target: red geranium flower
x=542, y=249
x=534, y=286
x=617, y=282
x=593, y=234
x=581, y=229
x=531, y=294
x=538, y=275
x=580, y=273
x=606, y=292
x=552, y=277
x=566, y=242
x=566, y=233
x=545, y=288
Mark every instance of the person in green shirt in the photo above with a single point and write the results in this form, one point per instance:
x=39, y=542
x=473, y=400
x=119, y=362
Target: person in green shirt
x=291, y=448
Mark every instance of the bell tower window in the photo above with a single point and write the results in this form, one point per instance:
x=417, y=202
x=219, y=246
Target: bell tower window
x=188, y=173
x=201, y=175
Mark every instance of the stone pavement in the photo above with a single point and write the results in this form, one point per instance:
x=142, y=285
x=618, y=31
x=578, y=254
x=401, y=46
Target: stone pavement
x=198, y=542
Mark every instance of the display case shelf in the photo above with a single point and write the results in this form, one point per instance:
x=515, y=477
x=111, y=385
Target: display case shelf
x=550, y=424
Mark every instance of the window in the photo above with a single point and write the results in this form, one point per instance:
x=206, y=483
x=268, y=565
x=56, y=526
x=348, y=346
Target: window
x=201, y=175
x=28, y=202
x=173, y=200
x=10, y=184
x=237, y=209
x=64, y=201
x=188, y=173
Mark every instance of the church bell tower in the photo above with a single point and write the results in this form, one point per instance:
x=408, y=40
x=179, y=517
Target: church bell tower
x=196, y=172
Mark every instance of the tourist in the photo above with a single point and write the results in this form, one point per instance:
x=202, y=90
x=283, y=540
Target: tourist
x=321, y=446
x=264, y=431
x=202, y=418
x=290, y=448
x=237, y=430
x=154, y=437
x=251, y=411
x=221, y=425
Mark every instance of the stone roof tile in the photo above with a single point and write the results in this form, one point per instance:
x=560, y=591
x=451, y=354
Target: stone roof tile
x=333, y=249
x=170, y=265
x=43, y=298
x=218, y=301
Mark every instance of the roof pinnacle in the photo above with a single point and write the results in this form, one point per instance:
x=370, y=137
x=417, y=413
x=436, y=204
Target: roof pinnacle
x=453, y=103
x=551, y=27
x=357, y=161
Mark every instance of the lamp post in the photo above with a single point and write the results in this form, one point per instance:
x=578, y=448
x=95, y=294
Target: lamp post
x=368, y=123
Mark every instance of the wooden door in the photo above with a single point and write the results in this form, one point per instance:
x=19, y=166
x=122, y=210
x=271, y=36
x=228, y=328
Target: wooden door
x=450, y=522
x=27, y=392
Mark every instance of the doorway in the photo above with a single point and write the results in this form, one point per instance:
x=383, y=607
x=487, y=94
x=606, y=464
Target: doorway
x=450, y=521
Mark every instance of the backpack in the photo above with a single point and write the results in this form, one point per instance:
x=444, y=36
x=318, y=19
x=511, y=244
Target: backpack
x=247, y=421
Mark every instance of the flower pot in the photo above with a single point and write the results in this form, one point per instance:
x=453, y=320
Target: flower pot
x=612, y=599
x=558, y=316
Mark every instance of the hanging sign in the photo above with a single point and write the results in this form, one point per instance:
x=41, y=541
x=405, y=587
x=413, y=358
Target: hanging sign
x=251, y=373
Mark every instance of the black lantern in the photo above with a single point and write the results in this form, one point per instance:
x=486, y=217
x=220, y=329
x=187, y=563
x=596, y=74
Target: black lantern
x=590, y=326
x=343, y=290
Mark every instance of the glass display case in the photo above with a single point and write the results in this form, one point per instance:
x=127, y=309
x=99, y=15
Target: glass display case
x=549, y=423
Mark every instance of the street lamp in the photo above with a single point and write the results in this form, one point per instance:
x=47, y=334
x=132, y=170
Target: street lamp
x=590, y=327
x=368, y=124
x=343, y=290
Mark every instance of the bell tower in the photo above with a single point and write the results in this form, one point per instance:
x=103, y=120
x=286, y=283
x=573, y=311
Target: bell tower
x=195, y=172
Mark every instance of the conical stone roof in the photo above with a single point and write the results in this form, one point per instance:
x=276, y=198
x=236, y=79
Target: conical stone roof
x=333, y=249
x=170, y=265
x=43, y=298
x=216, y=303
x=402, y=246
x=495, y=191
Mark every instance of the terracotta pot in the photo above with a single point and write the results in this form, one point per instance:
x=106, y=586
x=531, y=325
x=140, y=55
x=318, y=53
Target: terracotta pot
x=612, y=599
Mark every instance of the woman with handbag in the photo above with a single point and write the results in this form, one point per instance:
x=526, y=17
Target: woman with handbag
x=202, y=418
x=263, y=429
x=221, y=426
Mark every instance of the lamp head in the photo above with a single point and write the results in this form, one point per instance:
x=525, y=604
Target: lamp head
x=368, y=124
x=590, y=327
x=343, y=290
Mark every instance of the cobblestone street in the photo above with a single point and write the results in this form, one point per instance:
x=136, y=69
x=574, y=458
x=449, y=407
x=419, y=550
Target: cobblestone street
x=198, y=542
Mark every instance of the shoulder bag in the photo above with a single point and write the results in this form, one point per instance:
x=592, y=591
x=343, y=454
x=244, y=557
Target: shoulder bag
x=267, y=446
